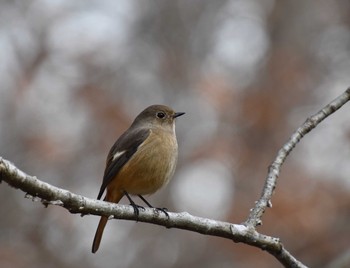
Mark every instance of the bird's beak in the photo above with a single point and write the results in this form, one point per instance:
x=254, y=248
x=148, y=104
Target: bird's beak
x=177, y=115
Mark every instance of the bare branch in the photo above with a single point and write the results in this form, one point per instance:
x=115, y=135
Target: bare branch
x=256, y=213
x=239, y=233
x=51, y=195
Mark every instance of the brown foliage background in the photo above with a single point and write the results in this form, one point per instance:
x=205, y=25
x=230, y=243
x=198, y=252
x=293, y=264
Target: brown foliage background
x=75, y=73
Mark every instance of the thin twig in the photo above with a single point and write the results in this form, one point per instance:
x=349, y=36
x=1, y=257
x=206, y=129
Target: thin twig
x=254, y=218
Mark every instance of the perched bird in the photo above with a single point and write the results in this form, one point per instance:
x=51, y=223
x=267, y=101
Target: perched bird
x=141, y=161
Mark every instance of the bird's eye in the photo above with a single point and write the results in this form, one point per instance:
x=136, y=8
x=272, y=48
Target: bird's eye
x=160, y=115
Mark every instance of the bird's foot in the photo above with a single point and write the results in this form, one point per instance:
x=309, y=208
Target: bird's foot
x=136, y=209
x=164, y=210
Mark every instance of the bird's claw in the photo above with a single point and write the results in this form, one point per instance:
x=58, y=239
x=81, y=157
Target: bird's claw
x=137, y=209
x=164, y=210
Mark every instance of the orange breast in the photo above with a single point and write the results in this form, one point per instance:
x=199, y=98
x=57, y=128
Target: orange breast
x=150, y=168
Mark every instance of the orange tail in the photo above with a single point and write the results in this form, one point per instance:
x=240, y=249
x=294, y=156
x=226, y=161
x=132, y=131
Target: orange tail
x=99, y=233
x=110, y=197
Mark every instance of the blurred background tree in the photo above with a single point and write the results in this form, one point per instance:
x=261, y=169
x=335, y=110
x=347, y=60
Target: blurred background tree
x=246, y=72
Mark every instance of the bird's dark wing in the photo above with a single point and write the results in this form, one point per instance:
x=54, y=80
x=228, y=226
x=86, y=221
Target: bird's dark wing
x=122, y=150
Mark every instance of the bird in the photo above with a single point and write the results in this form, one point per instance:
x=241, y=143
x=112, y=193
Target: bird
x=141, y=161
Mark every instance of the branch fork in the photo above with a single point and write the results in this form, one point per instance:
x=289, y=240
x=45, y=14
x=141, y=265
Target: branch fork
x=47, y=194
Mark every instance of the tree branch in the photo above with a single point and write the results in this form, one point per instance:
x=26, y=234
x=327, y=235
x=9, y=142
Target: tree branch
x=246, y=233
x=48, y=194
x=256, y=213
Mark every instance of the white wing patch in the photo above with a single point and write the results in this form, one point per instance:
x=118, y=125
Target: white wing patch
x=117, y=155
